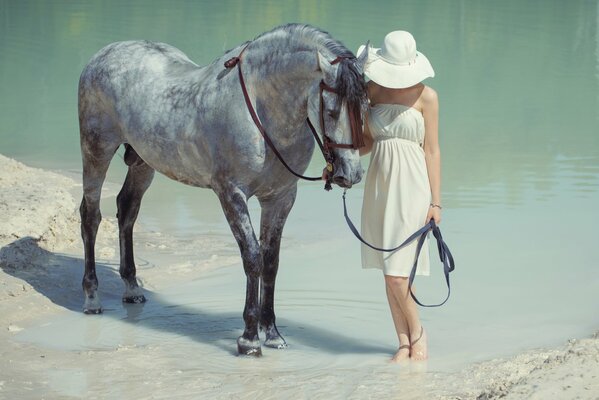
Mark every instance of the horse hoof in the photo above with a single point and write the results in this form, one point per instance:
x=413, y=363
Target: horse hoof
x=92, y=305
x=92, y=311
x=276, y=342
x=134, y=299
x=133, y=294
x=247, y=347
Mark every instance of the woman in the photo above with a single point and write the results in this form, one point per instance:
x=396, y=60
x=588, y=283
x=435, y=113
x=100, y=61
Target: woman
x=403, y=184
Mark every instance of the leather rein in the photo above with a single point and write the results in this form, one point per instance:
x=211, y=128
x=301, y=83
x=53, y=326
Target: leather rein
x=445, y=255
x=326, y=145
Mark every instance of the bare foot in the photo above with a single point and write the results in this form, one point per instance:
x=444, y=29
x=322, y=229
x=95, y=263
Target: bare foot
x=403, y=353
x=418, y=347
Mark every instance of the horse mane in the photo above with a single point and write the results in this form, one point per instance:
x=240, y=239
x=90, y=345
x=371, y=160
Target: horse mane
x=349, y=85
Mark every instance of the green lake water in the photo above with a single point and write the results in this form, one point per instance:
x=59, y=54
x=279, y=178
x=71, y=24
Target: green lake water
x=518, y=83
x=518, y=80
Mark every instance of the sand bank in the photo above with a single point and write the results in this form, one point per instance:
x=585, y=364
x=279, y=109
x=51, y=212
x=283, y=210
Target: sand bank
x=40, y=273
x=567, y=372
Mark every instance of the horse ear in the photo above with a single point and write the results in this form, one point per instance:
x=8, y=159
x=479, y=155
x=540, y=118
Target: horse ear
x=323, y=65
x=363, y=56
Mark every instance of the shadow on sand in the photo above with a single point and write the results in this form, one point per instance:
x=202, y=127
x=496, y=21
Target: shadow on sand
x=58, y=277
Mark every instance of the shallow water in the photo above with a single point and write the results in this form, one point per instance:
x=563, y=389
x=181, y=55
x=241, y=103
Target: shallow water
x=519, y=93
x=518, y=285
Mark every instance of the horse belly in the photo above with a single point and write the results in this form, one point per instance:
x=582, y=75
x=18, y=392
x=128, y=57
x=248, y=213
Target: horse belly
x=185, y=161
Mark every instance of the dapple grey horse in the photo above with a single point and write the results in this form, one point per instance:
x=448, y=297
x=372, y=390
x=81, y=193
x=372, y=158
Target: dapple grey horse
x=191, y=124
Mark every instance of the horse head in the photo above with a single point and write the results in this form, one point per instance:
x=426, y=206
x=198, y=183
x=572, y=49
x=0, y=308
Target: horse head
x=339, y=102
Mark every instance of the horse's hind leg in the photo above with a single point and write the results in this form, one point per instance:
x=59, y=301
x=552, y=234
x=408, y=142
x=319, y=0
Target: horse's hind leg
x=139, y=178
x=96, y=158
x=272, y=221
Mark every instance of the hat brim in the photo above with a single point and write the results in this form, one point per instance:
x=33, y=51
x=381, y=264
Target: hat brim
x=396, y=76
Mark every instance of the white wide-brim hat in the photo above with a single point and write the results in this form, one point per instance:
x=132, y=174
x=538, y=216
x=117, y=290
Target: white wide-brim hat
x=397, y=64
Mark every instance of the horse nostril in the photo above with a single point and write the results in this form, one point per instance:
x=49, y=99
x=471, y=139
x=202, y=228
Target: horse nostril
x=358, y=177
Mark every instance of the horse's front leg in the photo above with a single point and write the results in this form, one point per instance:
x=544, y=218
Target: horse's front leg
x=234, y=204
x=274, y=214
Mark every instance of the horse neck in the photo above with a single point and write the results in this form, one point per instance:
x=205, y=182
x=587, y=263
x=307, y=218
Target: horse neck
x=281, y=84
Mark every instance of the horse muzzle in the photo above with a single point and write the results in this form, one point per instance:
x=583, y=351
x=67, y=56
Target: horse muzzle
x=347, y=180
x=342, y=182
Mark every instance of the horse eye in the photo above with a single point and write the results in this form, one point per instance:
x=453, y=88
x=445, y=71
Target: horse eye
x=333, y=114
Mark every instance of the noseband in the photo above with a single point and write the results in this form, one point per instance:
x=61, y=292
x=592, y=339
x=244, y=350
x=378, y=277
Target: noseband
x=326, y=145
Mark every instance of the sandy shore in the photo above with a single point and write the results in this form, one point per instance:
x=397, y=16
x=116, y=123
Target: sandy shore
x=567, y=372
x=40, y=271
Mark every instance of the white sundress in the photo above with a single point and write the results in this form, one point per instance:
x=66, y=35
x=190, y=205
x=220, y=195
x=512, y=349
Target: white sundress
x=397, y=190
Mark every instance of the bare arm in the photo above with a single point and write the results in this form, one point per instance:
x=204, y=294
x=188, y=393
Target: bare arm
x=432, y=150
x=367, y=138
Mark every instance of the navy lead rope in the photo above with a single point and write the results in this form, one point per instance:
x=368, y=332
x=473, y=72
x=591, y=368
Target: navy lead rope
x=444, y=253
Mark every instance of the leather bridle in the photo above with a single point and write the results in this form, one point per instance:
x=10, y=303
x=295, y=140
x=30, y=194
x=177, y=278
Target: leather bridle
x=327, y=144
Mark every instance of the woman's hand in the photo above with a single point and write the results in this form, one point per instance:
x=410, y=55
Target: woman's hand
x=434, y=212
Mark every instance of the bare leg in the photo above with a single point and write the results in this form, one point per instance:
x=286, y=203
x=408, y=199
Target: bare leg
x=274, y=215
x=234, y=204
x=139, y=178
x=398, y=286
x=401, y=327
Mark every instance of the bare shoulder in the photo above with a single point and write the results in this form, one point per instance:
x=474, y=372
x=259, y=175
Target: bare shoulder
x=429, y=97
x=372, y=89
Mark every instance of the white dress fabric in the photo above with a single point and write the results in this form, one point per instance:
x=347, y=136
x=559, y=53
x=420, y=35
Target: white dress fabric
x=397, y=190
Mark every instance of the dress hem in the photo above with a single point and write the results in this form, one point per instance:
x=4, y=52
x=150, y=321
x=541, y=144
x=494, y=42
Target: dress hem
x=403, y=276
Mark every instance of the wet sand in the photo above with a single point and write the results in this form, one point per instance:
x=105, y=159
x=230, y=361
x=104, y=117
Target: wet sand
x=182, y=342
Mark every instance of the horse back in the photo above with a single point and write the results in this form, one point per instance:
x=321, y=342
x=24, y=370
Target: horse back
x=188, y=122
